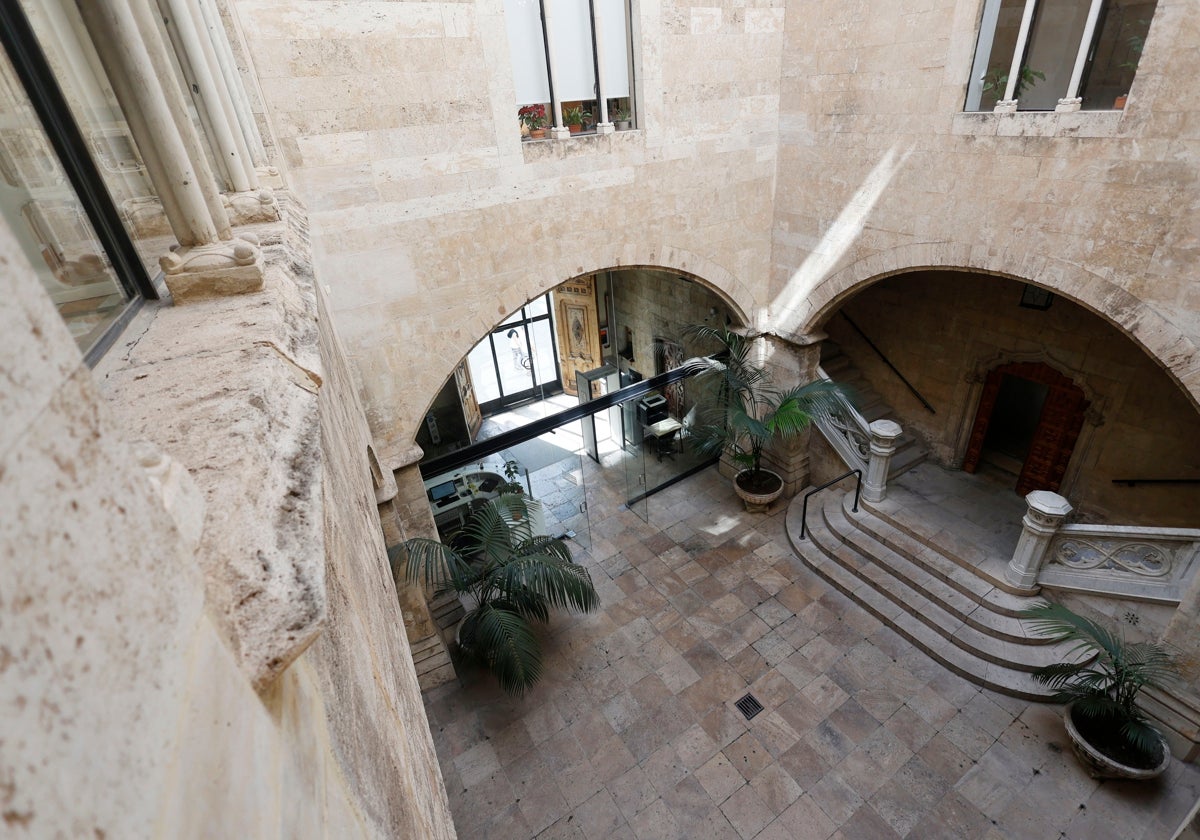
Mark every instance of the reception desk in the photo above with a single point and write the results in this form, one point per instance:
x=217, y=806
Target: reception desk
x=451, y=496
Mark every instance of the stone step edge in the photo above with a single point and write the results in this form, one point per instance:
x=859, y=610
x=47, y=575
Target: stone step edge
x=948, y=568
x=910, y=601
x=1005, y=625
x=987, y=567
x=971, y=668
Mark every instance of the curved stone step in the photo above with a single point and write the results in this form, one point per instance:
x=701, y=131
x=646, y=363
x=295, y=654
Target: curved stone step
x=947, y=568
x=903, y=512
x=971, y=606
x=1000, y=665
x=877, y=565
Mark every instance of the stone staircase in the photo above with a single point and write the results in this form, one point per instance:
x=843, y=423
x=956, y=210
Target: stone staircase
x=870, y=405
x=938, y=589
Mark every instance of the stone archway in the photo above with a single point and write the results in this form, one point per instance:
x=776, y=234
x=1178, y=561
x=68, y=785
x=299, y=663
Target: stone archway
x=1164, y=342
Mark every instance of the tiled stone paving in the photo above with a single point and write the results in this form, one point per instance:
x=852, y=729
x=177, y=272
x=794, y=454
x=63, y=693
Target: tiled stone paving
x=632, y=733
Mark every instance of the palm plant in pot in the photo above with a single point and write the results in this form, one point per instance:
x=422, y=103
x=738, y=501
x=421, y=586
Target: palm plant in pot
x=1110, y=734
x=510, y=578
x=748, y=412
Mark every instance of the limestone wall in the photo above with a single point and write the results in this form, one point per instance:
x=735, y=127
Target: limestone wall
x=880, y=171
x=944, y=329
x=128, y=705
x=433, y=220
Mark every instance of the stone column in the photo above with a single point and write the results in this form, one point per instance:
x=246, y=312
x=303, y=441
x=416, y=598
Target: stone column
x=792, y=361
x=884, y=434
x=1041, y=522
x=210, y=260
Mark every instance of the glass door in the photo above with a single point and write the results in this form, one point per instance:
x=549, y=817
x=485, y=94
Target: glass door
x=518, y=360
x=553, y=476
x=633, y=459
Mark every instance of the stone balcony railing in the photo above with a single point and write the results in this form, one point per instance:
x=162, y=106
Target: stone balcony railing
x=1123, y=561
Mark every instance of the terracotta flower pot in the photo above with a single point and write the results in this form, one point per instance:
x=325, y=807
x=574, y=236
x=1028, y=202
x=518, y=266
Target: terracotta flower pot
x=1119, y=102
x=537, y=134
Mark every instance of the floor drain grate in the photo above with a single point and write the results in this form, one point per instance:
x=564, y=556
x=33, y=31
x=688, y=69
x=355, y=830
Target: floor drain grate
x=749, y=706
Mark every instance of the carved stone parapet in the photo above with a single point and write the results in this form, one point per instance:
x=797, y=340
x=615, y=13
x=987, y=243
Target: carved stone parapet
x=251, y=207
x=229, y=267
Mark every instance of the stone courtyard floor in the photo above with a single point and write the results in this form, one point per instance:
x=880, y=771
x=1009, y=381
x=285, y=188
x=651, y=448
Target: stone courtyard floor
x=632, y=732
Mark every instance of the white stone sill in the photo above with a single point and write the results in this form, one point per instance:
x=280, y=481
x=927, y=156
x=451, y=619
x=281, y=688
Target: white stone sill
x=1038, y=124
x=548, y=146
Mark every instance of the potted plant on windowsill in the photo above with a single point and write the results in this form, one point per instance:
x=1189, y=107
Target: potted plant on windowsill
x=533, y=117
x=573, y=119
x=748, y=412
x=511, y=576
x=621, y=118
x=1110, y=734
x=996, y=81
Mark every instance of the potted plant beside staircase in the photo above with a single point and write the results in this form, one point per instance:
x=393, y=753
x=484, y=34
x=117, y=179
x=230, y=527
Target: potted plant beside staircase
x=1110, y=734
x=749, y=412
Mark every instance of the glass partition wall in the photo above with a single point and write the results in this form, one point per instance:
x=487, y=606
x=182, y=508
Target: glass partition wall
x=577, y=491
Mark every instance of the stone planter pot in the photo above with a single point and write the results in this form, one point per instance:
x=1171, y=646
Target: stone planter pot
x=623, y=125
x=1100, y=766
x=757, y=502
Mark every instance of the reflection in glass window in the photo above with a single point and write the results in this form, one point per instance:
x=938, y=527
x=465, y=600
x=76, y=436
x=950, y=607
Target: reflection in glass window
x=1046, y=54
x=50, y=224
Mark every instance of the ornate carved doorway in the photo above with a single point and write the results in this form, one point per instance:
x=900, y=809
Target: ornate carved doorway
x=1008, y=417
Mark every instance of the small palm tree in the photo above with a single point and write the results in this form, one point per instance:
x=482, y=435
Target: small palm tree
x=513, y=577
x=1104, y=690
x=748, y=411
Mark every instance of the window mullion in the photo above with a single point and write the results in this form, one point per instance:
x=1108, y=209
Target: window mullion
x=598, y=62
x=555, y=104
x=1071, y=100
x=1014, y=72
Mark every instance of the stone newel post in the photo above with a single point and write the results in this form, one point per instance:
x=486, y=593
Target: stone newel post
x=1046, y=513
x=884, y=434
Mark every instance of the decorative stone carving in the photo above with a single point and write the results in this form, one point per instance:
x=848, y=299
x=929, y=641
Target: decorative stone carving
x=1067, y=106
x=1006, y=106
x=181, y=497
x=229, y=267
x=251, y=207
x=1138, y=558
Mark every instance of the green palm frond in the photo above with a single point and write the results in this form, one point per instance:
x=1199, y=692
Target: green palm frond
x=514, y=576
x=562, y=584
x=1105, y=689
x=503, y=640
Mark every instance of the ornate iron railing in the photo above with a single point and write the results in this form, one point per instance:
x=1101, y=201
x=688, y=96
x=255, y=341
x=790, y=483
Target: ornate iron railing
x=1136, y=562
x=845, y=429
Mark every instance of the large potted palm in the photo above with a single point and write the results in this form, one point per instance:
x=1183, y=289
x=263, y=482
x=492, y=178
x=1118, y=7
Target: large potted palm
x=1110, y=734
x=746, y=412
x=509, y=578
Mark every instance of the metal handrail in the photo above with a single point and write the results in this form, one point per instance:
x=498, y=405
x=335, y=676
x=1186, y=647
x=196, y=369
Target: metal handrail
x=804, y=507
x=888, y=362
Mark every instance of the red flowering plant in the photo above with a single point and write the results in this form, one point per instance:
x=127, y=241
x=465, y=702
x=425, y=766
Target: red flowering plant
x=533, y=116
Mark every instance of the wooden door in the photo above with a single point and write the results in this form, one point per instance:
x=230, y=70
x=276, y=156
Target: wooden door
x=1057, y=430
x=576, y=325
